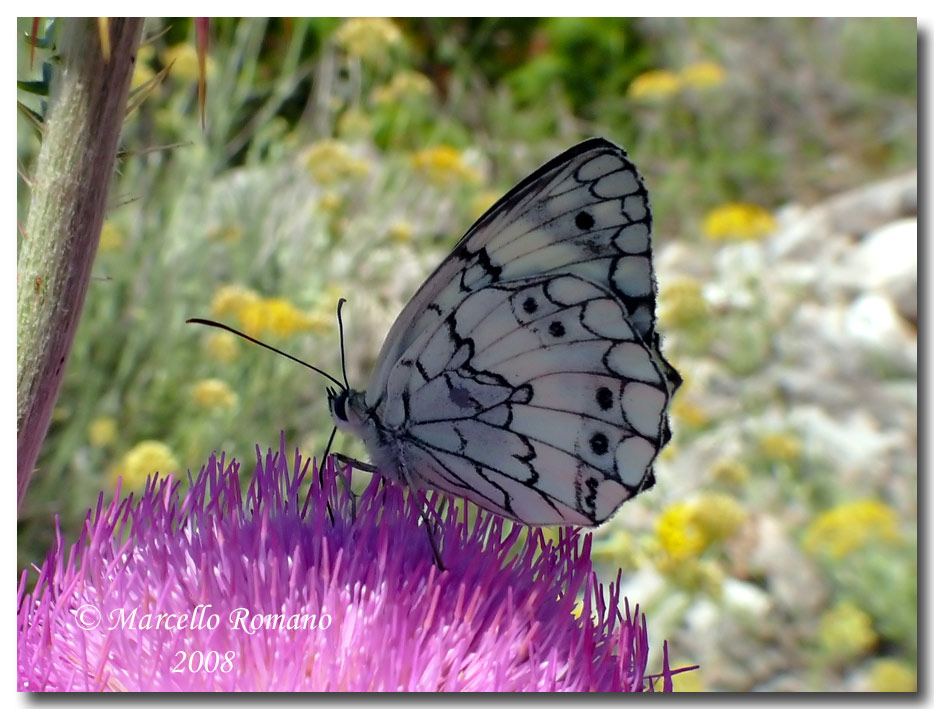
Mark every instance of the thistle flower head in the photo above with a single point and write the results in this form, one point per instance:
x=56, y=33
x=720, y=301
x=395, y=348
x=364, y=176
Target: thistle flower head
x=287, y=587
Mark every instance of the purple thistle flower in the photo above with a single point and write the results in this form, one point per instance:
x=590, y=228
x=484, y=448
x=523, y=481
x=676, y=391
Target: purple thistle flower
x=220, y=591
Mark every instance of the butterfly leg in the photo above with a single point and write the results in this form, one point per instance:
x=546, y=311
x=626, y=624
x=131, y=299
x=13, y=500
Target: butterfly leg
x=354, y=463
x=431, y=537
x=359, y=465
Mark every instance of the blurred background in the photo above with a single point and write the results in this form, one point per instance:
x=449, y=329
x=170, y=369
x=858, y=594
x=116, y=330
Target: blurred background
x=344, y=158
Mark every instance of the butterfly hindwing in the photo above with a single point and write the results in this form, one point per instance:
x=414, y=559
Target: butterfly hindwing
x=535, y=398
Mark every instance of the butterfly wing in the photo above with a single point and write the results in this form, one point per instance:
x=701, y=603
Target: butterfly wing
x=525, y=374
x=585, y=213
x=536, y=399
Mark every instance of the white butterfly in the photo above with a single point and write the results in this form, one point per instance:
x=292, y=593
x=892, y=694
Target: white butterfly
x=525, y=375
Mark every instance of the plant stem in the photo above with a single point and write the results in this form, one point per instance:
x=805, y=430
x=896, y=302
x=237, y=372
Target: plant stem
x=73, y=173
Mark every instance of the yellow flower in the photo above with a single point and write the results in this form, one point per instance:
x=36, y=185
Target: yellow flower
x=678, y=533
x=655, y=84
x=893, y=676
x=718, y=516
x=278, y=316
x=686, y=529
x=689, y=413
x=185, y=56
x=404, y=86
x=401, y=231
x=222, y=346
x=730, y=472
x=214, y=394
x=331, y=161
x=329, y=202
x=111, y=237
x=845, y=632
x=738, y=222
x=142, y=73
x=780, y=447
x=232, y=300
x=683, y=303
x=283, y=318
x=353, y=124
x=368, y=38
x=702, y=75
x=851, y=526
x=443, y=165
x=103, y=431
x=142, y=460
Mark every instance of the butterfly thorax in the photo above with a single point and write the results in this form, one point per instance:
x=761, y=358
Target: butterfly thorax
x=351, y=414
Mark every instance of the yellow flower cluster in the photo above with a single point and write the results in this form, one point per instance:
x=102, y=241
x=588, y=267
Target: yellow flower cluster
x=729, y=472
x=851, y=526
x=659, y=84
x=142, y=460
x=257, y=315
x=330, y=202
x=278, y=316
x=892, y=676
x=780, y=447
x=222, y=346
x=702, y=75
x=185, y=58
x=443, y=165
x=404, y=86
x=687, y=412
x=369, y=39
x=655, y=84
x=231, y=300
x=354, y=124
x=330, y=161
x=845, y=632
x=686, y=529
x=683, y=303
x=401, y=231
x=214, y=394
x=142, y=73
x=738, y=221
x=102, y=431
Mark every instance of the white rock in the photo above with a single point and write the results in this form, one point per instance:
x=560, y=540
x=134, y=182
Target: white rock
x=887, y=261
x=873, y=323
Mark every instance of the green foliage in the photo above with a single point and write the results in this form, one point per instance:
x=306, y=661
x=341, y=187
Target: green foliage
x=883, y=55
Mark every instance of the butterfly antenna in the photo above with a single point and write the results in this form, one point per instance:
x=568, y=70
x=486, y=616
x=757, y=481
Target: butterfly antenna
x=213, y=323
x=340, y=327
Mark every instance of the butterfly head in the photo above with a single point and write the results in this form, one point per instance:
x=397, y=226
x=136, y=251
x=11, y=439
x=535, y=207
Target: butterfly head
x=347, y=407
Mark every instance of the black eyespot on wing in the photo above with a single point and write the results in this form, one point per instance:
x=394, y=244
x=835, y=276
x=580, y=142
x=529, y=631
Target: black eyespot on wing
x=584, y=221
x=604, y=398
x=530, y=305
x=556, y=329
x=599, y=444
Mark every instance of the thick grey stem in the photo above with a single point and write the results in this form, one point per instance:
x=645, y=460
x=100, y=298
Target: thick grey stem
x=73, y=172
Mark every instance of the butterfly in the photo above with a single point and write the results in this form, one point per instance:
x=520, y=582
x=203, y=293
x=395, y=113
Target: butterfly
x=526, y=374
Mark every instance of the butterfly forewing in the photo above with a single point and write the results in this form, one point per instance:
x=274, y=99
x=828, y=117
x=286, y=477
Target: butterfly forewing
x=525, y=374
x=586, y=212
